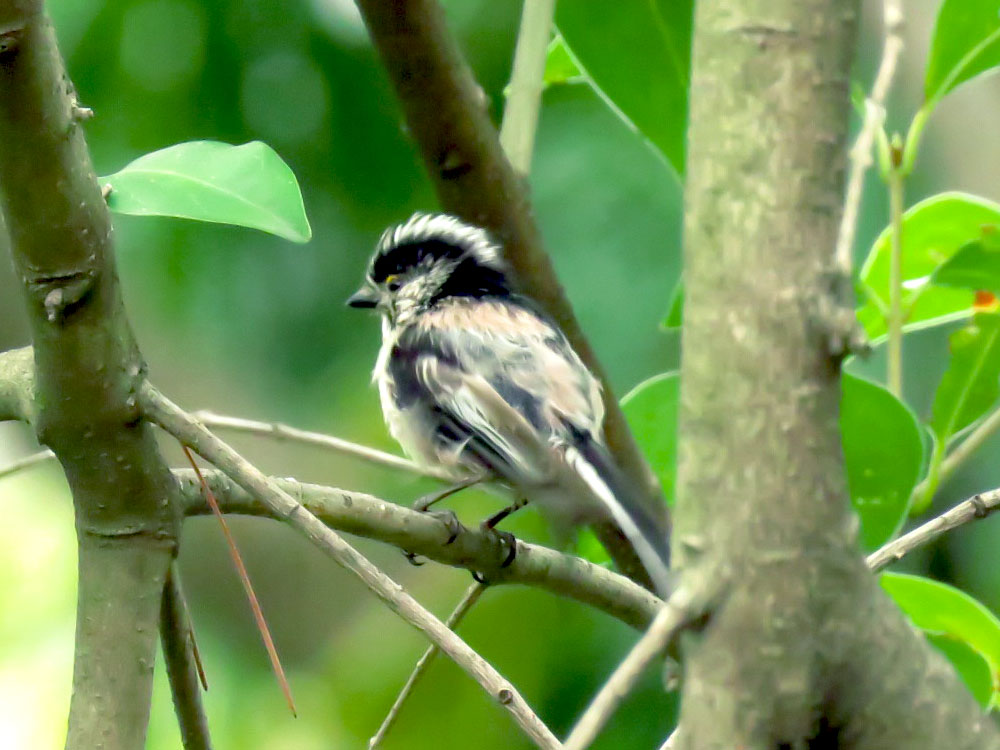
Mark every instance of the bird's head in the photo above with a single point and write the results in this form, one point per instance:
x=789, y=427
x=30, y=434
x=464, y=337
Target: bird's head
x=426, y=259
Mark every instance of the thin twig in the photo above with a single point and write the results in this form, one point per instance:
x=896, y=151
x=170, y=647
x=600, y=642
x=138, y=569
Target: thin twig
x=157, y=408
x=26, y=462
x=861, y=153
x=184, y=671
x=423, y=534
x=471, y=596
x=241, y=570
x=281, y=431
x=976, y=507
x=680, y=609
x=520, y=117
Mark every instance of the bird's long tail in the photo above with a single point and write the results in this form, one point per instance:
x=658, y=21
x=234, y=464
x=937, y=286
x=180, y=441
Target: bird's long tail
x=595, y=466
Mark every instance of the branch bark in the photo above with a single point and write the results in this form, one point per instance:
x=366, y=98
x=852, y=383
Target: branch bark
x=803, y=650
x=425, y=535
x=86, y=365
x=160, y=410
x=445, y=111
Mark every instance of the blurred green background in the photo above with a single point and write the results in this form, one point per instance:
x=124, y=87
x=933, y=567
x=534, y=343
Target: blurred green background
x=247, y=324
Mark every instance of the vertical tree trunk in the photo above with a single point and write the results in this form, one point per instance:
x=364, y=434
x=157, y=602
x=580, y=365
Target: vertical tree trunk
x=86, y=370
x=802, y=650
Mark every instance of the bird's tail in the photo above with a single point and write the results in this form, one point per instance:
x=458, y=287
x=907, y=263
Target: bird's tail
x=595, y=466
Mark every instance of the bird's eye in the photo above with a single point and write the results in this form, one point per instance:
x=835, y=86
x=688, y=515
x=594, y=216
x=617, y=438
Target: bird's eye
x=392, y=283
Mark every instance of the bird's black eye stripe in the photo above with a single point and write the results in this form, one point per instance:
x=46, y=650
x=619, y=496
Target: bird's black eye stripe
x=400, y=258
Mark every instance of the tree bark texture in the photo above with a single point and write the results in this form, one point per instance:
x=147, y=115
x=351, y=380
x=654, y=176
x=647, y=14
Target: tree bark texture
x=86, y=364
x=802, y=649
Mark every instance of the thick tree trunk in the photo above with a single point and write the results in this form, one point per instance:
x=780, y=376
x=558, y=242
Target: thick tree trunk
x=86, y=365
x=802, y=649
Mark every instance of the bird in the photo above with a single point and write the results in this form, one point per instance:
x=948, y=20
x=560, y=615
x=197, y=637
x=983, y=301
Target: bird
x=477, y=382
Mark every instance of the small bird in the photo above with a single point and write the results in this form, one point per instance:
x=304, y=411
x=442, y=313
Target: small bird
x=477, y=381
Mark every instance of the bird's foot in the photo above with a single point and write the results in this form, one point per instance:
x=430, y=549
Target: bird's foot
x=424, y=502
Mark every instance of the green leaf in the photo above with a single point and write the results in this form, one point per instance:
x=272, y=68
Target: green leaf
x=975, y=266
x=971, y=667
x=675, y=315
x=933, y=231
x=246, y=185
x=945, y=611
x=884, y=453
x=560, y=67
x=971, y=384
x=966, y=43
x=651, y=411
x=638, y=60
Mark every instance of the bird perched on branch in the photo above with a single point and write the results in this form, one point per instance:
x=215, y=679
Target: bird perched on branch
x=476, y=380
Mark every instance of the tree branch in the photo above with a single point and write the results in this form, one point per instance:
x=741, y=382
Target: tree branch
x=976, y=507
x=86, y=364
x=425, y=535
x=183, y=667
x=26, y=462
x=17, y=385
x=158, y=409
x=285, y=432
x=445, y=112
x=471, y=596
x=861, y=153
x=682, y=608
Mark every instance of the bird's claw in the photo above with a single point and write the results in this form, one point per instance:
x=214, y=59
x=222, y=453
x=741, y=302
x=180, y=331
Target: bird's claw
x=505, y=538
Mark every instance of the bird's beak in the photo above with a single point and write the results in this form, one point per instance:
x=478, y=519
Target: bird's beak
x=364, y=297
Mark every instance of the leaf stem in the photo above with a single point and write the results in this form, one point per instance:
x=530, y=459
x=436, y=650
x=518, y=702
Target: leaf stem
x=951, y=463
x=895, y=322
x=520, y=117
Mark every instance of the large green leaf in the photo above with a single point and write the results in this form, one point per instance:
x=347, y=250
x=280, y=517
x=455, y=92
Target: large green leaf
x=247, y=185
x=966, y=43
x=638, y=59
x=651, y=409
x=884, y=453
x=933, y=231
x=945, y=611
x=971, y=384
x=975, y=266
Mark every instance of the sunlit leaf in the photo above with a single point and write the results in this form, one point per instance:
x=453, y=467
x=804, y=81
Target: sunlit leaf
x=638, y=59
x=976, y=265
x=560, y=67
x=943, y=610
x=933, y=231
x=884, y=453
x=651, y=410
x=246, y=185
x=971, y=384
x=966, y=43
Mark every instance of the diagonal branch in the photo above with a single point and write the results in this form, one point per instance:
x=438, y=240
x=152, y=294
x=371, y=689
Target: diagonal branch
x=445, y=111
x=684, y=606
x=976, y=507
x=17, y=385
x=157, y=408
